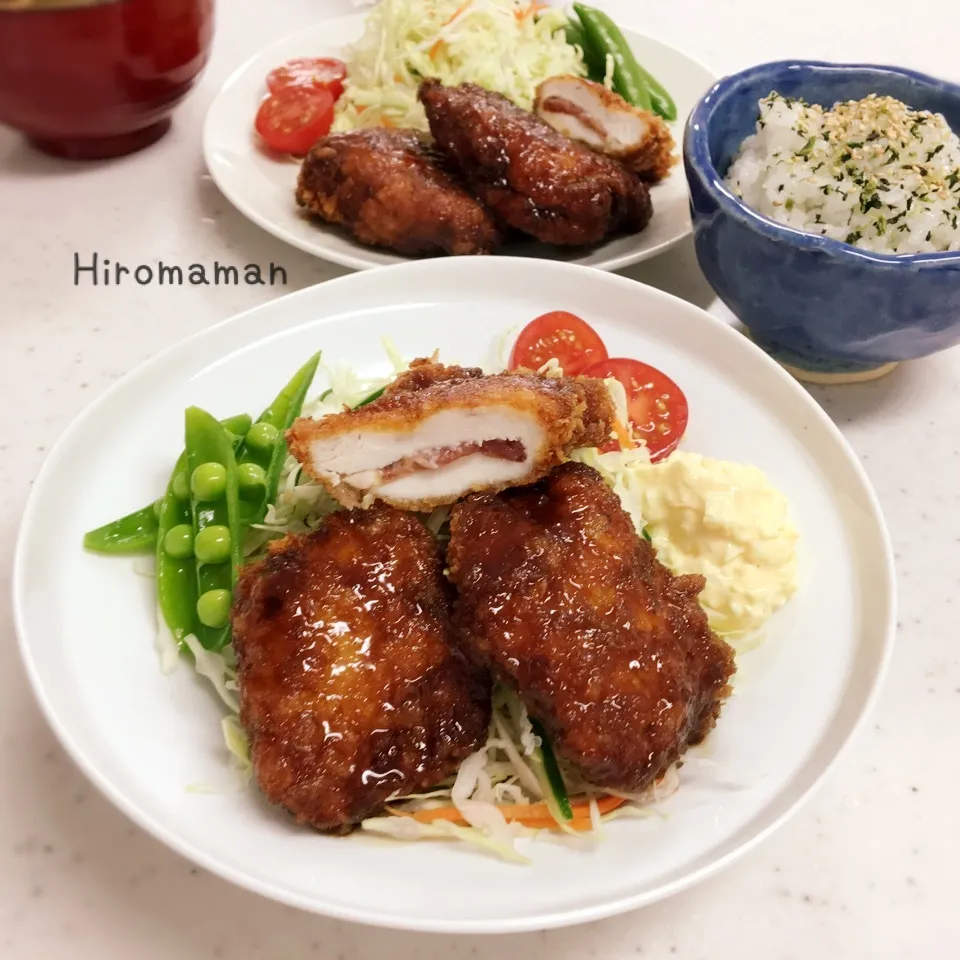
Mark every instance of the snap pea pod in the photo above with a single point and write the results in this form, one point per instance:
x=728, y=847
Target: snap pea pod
x=215, y=512
x=630, y=80
x=176, y=571
x=137, y=532
x=661, y=101
x=264, y=450
x=593, y=60
x=134, y=533
x=548, y=773
x=376, y=395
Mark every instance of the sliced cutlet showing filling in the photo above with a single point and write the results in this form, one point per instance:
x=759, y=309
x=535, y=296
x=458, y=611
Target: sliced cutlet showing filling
x=440, y=433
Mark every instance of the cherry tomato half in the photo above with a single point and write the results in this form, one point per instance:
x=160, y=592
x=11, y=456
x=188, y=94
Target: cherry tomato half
x=656, y=405
x=322, y=72
x=295, y=118
x=559, y=335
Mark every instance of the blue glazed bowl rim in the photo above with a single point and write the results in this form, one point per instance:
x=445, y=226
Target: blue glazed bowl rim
x=697, y=150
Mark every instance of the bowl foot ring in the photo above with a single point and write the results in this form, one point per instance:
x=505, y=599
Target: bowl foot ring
x=836, y=378
x=824, y=372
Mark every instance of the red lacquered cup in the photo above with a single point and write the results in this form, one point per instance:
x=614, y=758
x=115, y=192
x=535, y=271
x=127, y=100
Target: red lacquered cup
x=88, y=79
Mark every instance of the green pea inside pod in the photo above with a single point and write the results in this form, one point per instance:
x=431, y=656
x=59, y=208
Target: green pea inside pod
x=212, y=544
x=213, y=608
x=252, y=479
x=262, y=437
x=208, y=482
x=178, y=541
x=181, y=485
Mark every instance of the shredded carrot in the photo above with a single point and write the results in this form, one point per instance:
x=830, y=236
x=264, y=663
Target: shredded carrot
x=436, y=48
x=456, y=13
x=623, y=436
x=535, y=815
x=530, y=10
x=387, y=122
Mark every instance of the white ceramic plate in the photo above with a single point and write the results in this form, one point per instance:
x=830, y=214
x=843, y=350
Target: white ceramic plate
x=86, y=623
x=262, y=189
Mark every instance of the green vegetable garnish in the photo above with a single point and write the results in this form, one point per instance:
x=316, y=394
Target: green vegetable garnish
x=376, y=395
x=630, y=79
x=265, y=445
x=208, y=481
x=213, y=609
x=593, y=60
x=548, y=772
x=176, y=570
x=178, y=541
x=137, y=532
x=133, y=533
x=216, y=523
x=253, y=479
x=212, y=544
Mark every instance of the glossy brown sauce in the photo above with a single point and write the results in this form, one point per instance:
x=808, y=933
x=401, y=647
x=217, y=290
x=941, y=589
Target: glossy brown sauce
x=566, y=604
x=350, y=687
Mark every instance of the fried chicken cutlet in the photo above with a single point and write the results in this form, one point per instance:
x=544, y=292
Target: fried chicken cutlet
x=533, y=178
x=351, y=690
x=589, y=112
x=562, y=600
x=391, y=190
x=439, y=433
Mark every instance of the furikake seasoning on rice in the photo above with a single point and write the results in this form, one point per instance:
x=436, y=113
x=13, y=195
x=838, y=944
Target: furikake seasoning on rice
x=873, y=173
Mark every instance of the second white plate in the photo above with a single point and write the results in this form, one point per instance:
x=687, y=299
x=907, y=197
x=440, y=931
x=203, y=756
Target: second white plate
x=262, y=189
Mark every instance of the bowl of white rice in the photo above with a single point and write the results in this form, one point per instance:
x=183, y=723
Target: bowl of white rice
x=826, y=209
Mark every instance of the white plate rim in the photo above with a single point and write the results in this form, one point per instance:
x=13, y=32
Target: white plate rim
x=620, y=905
x=357, y=261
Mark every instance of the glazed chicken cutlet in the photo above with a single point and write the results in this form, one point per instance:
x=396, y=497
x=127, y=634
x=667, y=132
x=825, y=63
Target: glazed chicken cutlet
x=440, y=432
x=351, y=690
x=533, y=178
x=589, y=112
x=391, y=190
x=565, y=604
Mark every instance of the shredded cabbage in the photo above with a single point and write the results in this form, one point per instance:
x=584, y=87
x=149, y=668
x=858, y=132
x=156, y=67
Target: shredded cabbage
x=500, y=355
x=215, y=668
x=302, y=504
x=505, y=770
x=610, y=67
x=617, y=469
x=509, y=46
x=495, y=776
x=406, y=828
x=235, y=737
x=168, y=650
x=145, y=567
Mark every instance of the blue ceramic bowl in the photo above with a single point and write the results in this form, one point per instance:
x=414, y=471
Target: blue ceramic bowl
x=815, y=303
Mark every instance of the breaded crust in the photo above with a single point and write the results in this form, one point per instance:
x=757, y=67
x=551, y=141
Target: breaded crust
x=351, y=690
x=533, y=178
x=392, y=190
x=574, y=412
x=425, y=372
x=563, y=602
x=652, y=159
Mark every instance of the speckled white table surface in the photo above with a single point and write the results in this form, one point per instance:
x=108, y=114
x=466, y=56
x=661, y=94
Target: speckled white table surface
x=866, y=870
